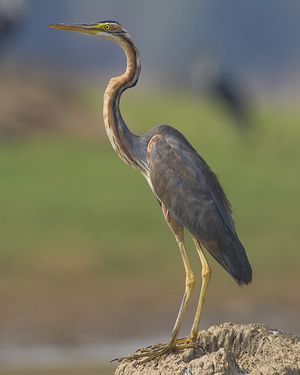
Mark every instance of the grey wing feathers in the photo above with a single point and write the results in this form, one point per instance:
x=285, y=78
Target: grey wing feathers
x=188, y=188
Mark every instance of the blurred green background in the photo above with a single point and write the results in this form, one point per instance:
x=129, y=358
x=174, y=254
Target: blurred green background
x=88, y=268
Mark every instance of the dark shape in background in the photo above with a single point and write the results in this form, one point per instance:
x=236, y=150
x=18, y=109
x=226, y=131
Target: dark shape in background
x=12, y=19
x=208, y=79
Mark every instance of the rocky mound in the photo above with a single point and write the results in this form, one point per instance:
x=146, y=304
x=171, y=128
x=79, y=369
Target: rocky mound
x=228, y=349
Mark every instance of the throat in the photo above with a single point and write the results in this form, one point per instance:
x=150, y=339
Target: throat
x=118, y=133
x=123, y=141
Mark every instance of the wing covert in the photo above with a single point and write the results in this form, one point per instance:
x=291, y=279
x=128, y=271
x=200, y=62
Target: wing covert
x=185, y=184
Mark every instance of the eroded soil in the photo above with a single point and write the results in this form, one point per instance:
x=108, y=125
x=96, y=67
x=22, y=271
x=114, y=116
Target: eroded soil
x=228, y=349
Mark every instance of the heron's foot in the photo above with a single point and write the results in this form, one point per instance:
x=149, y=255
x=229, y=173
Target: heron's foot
x=187, y=342
x=155, y=351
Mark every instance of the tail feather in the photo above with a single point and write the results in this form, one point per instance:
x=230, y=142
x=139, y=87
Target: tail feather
x=232, y=256
x=238, y=263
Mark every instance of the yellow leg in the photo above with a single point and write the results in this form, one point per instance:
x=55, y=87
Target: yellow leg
x=155, y=351
x=177, y=230
x=206, y=274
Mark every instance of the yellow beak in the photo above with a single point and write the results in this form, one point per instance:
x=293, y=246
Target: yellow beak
x=80, y=28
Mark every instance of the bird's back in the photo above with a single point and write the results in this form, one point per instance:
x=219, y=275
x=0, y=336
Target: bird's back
x=190, y=190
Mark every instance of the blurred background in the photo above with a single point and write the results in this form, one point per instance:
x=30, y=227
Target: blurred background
x=88, y=268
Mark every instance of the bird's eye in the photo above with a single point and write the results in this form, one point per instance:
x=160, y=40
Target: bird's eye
x=106, y=27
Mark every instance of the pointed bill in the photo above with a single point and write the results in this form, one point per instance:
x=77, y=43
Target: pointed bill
x=80, y=28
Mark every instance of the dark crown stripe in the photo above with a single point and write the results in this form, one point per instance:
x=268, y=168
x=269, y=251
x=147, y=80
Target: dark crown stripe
x=109, y=21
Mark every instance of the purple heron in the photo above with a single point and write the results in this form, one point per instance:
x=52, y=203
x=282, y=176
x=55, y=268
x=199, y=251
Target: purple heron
x=187, y=190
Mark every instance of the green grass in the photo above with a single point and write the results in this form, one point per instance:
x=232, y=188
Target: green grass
x=62, y=197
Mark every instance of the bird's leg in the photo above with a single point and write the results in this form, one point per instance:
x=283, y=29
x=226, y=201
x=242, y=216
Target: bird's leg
x=177, y=230
x=153, y=352
x=206, y=274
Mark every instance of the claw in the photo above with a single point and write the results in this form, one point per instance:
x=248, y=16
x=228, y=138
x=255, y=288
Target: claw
x=114, y=360
x=153, y=347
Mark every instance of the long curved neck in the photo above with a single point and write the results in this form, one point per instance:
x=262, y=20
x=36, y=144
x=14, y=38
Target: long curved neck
x=121, y=138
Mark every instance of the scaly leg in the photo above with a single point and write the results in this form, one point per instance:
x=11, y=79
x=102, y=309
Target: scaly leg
x=160, y=349
x=206, y=274
x=177, y=230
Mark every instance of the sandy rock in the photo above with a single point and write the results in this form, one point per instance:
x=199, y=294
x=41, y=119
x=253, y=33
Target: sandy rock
x=228, y=349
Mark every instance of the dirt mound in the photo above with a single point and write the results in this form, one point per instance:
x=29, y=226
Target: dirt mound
x=228, y=349
x=30, y=104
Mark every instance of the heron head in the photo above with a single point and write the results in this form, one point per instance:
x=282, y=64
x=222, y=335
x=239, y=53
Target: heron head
x=105, y=29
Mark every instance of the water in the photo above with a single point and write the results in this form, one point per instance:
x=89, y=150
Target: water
x=46, y=356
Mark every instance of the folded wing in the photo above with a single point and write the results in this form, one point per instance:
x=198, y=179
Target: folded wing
x=190, y=190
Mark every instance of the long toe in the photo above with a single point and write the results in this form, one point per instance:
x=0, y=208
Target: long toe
x=148, y=354
x=152, y=352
